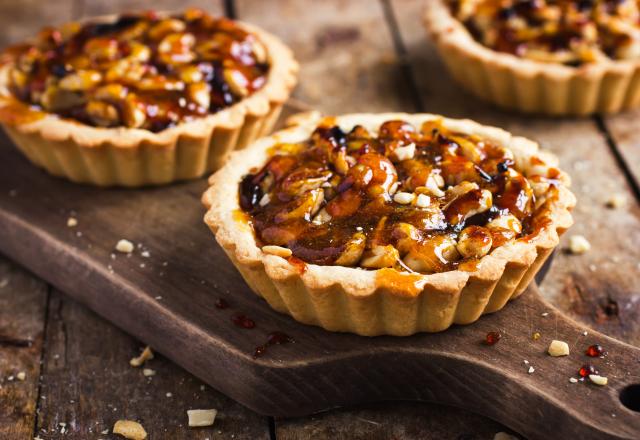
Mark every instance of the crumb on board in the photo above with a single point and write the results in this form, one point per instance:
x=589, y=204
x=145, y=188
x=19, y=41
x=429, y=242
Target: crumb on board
x=130, y=429
x=144, y=356
x=558, y=348
x=21, y=376
x=72, y=222
x=531, y=370
x=201, y=417
x=124, y=246
x=616, y=201
x=573, y=380
x=598, y=380
x=578, y=244
x=148, y=372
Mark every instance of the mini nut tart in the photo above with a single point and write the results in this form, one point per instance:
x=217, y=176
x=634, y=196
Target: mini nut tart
x=543, y=56
x=389, y=223
x=142, y=99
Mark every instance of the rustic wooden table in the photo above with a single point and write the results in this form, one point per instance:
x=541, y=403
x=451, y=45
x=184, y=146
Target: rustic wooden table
x=358, y=55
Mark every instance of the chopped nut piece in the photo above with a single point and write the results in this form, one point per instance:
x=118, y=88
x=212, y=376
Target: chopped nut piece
x=531, y=370
x=573, y=380
x=404, y=153
x=598, y=380
x=322, y=217
x=201, y=417
x=125, y=246
x=144, y=356
x=81, y=80
x=578, y=244
x=237, y=82
x=617, y=201
x=130, y=429
x=403, y=198
x=21, y=376
x=380, y=256
x=504, y=436
x=558, y=348
x=423, y=201
x=148, y=372
x=72, y=222
x=277, y=251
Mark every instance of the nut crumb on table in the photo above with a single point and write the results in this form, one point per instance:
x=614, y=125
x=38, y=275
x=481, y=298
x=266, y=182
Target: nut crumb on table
x=125, y=246
x=144, y=356
x=130, y=429
x=201, y=417
x=578, y=244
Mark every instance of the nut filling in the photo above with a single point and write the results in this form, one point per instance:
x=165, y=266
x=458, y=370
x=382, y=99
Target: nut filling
x=148, y=71
x=568, y=32
x=424, y=199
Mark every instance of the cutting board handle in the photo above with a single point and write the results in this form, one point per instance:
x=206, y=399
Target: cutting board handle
x=532, y=391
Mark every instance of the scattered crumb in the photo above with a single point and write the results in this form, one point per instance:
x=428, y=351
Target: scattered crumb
x=504, y=436
x=201, y=417
x=598, y=380
x=105, y=432
x=144, y=356
x=169, y=395
x=130, y=429
x=4, y=282
x=526, y=362
x=578, y=244
x=535, y=336
x=72, y=222
x=616, y=201
x=10, y=378
x=158, y=297
x=585, y=333
x=558, y=348
x=145, y=254
x=573, y=380
x=531, y=370
x=125, y=246
x=148, y=372
x=201, y=387
x=78, y=234
x=142, y=265
x=544, y=314
x=21, y=376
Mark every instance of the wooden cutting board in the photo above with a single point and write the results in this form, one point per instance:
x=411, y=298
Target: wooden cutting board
x=165, y=295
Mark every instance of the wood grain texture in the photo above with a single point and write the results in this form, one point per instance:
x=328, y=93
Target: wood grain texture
x=600, y=287
x=171, y=307
x=20, y=19
x=89, y=8
x=623, y=130
x=23, y=300
x=88, y=385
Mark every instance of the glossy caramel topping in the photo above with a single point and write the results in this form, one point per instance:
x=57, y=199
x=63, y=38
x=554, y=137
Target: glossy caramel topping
x=146, y=71
x=423, y=199
x=571, y=32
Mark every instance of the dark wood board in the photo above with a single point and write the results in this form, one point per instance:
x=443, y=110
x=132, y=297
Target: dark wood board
x=167, y=300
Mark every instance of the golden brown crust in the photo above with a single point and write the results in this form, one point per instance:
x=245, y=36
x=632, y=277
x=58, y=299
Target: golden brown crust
x=134, y=157
x=385, y=301
x=527, y=85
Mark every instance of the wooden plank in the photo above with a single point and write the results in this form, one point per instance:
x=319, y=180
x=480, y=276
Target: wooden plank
x=88, y=384
x=20, y=19
x=600, y=287
x=397, y=420
x=623, y=129
x=101, y=7
x=23, y=300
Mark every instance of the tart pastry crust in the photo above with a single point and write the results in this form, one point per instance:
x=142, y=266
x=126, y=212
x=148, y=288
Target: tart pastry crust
x=383, y=301
x=508, y=81
x=121, y=156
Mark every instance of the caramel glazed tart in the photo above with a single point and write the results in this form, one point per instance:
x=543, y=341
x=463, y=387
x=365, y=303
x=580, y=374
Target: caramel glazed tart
x=131, y=157
x=383, y=301
x=530, y=86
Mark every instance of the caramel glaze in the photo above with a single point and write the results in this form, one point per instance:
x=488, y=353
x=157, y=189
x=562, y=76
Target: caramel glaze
x=568, y=30
x=165, y=98
x=349, y=180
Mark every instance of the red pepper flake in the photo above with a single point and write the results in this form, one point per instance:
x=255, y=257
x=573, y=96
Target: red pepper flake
x=243, y=321
x=586, y=370
x=595, y=350
x=492, y=338
x=221, y=304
